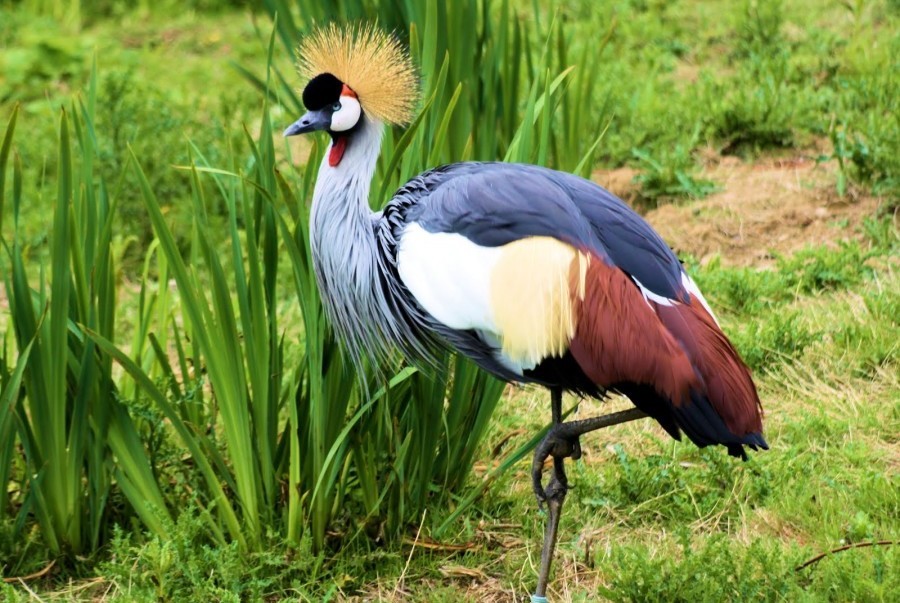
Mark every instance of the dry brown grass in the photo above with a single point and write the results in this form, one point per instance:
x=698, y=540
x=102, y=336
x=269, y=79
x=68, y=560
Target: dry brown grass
x=767, y=207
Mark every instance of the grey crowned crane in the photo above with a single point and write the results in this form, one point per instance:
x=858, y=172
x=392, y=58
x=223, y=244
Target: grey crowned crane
x=536, y=275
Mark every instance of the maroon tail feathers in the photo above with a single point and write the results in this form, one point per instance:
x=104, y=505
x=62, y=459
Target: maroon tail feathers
x=729, y=390
x=675, y=364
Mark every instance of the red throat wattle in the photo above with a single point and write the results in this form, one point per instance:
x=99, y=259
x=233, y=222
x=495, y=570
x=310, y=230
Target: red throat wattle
x=337, y=150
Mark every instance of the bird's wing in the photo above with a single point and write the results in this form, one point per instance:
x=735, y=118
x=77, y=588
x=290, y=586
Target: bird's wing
x=546, y=273
x=477, y=206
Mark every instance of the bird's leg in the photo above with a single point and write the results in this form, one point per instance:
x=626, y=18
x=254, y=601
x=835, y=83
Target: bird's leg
x=555, y=494
x=562, y=441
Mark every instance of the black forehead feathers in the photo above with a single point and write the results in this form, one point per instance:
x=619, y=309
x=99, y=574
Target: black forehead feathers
x=322, y=91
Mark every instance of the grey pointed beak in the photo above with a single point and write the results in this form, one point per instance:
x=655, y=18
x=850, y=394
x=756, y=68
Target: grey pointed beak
x=311, y=122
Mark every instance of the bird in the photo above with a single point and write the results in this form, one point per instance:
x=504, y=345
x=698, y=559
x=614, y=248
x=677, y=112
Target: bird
x=536, y=275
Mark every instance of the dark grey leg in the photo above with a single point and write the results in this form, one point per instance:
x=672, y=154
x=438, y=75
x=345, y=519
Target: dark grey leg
x=554, y=495
x=562, y=441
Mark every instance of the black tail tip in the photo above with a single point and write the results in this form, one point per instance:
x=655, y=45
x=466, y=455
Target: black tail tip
x=755, y=441
x=737, y=451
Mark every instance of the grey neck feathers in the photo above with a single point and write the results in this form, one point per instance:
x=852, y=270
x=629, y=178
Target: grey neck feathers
x=345, y=250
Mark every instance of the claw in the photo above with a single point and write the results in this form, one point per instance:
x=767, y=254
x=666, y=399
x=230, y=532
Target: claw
x=560, y=447
x=537, y=473
x=576, y=450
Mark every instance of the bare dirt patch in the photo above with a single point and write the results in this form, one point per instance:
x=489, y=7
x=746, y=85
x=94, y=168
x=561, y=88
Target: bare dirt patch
x=619, y=182
x=775, y=206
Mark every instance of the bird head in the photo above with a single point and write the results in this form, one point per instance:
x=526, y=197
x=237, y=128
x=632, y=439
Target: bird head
x=353, y=74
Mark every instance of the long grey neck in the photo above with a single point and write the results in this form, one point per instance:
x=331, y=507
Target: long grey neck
x=344, y=247
x=341, y=196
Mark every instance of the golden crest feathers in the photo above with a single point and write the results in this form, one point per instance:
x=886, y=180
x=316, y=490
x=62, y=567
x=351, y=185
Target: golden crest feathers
x=373, y=63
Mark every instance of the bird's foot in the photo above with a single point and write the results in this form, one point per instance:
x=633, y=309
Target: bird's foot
x=560, y=444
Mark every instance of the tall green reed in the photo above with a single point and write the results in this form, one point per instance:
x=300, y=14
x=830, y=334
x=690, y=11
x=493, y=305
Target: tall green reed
x=279, y=434
x=476, y=61
x=65, y=411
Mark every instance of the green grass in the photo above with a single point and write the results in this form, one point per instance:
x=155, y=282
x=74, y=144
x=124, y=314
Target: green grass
x=178, y=471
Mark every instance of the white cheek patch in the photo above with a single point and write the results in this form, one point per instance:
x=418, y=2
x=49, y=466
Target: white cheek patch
x=346, y=117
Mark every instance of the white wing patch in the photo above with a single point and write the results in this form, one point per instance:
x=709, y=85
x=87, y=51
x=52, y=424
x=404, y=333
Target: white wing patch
x=694, y=290
x=689, y=285
x=650, y=296
x=450, y=277
x=522, y=298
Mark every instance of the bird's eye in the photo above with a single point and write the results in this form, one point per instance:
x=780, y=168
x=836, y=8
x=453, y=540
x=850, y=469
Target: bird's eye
x=336, y=106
